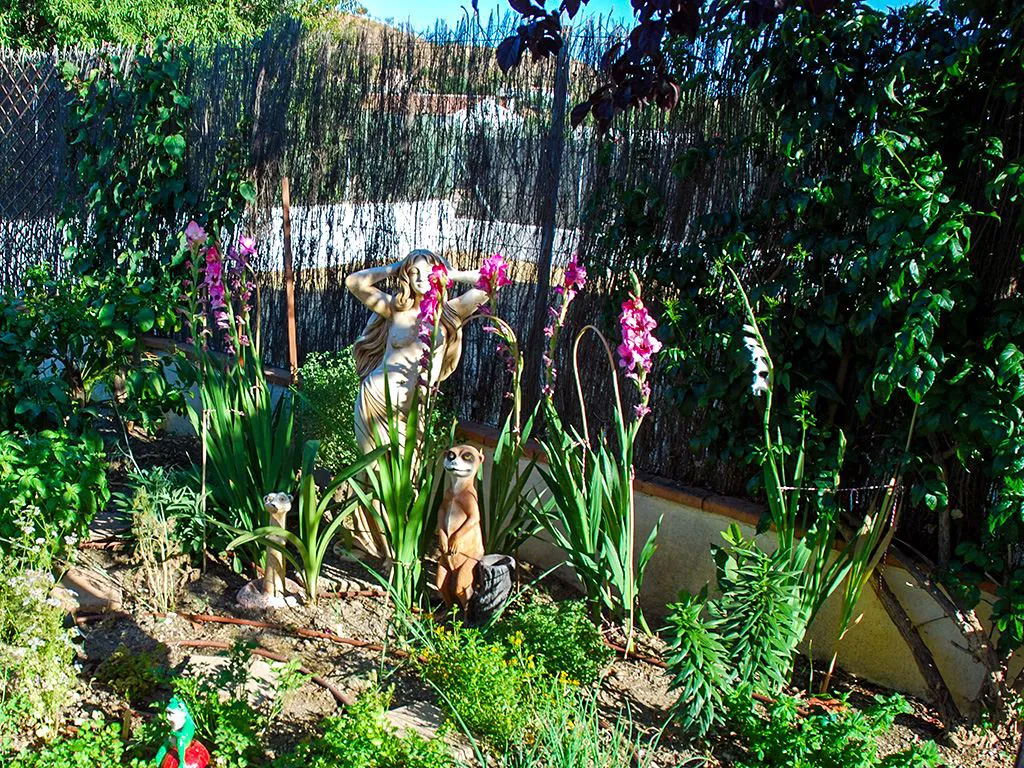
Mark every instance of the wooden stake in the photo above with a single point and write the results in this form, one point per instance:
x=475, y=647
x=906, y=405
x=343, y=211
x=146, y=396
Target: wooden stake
x=289, y=283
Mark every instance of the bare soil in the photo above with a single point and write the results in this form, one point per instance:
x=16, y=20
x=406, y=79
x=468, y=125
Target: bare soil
x=635, y=687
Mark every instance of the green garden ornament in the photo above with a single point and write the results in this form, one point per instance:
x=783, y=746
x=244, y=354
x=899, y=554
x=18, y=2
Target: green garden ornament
x=181, y=740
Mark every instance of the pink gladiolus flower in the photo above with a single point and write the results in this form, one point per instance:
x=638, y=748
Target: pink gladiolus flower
x=194, y=234
x=439, y=277
x=213, y=279
x=430, y=307
x=493, y=274
x=575, y=274
x=639, y=344
x=246, y=245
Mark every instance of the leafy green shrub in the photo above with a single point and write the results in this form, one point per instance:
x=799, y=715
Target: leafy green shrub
x=51, y=483
x=224, y=724
x=327, y=400
x=491, y=692
x=744, y=640
x=329, y=388
x=847, y=738
x=698, y=662
x=170, y=495
x=757, y=615
x=37, y=675
x=560, y=637
x=136, y=675
x=96, y=745
x=154, y=506
x=232, y=728
x=91, y=23
x=363, y=738
x=65, y=341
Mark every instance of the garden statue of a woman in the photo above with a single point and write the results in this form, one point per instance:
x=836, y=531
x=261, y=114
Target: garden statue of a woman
x=390, y=347
x=390, y=352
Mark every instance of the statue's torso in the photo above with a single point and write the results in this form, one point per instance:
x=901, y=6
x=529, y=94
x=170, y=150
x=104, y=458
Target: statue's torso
x=401, y=361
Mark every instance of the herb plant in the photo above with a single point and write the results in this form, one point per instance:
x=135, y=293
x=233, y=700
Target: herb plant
x=559, y=636
x=170, y=496
x=785, y=739
x=136, y=675
x=571, y=732
x=96, y=745
x=153, y=508
x=37, y=676
x=233, y=729
x=482, y=684
x=362, y=737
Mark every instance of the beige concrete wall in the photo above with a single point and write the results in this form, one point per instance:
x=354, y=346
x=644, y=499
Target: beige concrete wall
x=873, y=649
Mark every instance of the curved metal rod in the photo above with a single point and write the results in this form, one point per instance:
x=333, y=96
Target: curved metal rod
x=576, y=372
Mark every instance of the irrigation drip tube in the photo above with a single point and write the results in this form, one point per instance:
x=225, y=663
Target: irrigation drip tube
x=813, y=703
x=340, y=696
x=206, y=618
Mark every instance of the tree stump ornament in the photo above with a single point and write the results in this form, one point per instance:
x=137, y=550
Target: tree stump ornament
x=274, y=590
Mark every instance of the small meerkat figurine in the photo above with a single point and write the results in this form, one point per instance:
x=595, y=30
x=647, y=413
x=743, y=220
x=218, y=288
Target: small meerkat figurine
x=458, y=526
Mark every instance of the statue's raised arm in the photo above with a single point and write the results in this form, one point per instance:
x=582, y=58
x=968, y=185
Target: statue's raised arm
x=363, y=285
x=470, y=301
x=390, y=350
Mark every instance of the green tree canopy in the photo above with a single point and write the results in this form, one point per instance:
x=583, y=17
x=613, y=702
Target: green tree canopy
x=46, y=23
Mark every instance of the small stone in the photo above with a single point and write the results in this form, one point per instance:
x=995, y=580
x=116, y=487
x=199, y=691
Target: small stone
x=88, y=592
x=425, y=719
x=251, y=596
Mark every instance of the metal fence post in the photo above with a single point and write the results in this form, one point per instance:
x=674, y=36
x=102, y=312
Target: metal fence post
x=547, y=214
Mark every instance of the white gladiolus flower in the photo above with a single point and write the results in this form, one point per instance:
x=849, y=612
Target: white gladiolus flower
x=760, y=362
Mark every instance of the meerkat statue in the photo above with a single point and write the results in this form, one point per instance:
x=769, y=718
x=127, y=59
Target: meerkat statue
x=458, y=526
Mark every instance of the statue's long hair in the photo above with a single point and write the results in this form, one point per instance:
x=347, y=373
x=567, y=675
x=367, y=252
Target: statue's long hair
x=369, y=348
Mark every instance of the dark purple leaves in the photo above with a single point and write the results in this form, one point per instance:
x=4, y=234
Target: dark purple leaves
x=636, y=68
x=609, y=56
x=820, y=6
x=526, y=7
x=604, y=110
x=579, y=113
x=509, y=53
x=572, y=7
x=648, y=37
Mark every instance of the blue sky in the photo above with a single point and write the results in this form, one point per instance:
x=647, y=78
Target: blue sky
x=423, y=13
